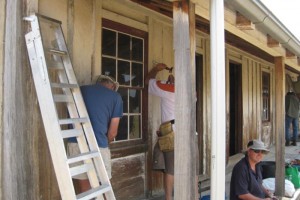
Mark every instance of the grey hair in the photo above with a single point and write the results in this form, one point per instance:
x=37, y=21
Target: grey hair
x=107, y=79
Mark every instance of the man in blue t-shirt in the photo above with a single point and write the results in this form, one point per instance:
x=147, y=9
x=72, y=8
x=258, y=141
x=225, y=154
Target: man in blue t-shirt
x=105, y=108
x=246, y=178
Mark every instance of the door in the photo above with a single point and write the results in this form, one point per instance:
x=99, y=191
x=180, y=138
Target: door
x=199, y=107
x=236, y=112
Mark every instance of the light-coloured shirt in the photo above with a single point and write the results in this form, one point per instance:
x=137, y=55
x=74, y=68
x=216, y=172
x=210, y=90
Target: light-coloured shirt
x=167, y=94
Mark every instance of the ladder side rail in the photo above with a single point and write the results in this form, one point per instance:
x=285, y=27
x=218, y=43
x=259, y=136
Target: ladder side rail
x=49, y=116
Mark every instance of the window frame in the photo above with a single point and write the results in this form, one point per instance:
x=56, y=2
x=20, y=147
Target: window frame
x=266, y=97
x=135, y=145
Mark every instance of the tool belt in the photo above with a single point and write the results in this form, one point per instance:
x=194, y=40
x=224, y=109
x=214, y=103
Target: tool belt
x=166, y=136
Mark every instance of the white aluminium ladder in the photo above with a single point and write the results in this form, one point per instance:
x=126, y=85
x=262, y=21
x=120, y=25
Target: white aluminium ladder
x=58, y=91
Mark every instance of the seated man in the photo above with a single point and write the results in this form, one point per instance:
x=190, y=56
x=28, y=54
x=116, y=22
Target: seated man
x=246, y=178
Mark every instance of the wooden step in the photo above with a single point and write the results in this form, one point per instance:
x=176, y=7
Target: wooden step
x=80, y=169
x=63, y=98
x=54, y=65
x=71, y=133
x=57, y=52
x=64, y=85
x=94, y=192
x=83, y=156
x=73, y=120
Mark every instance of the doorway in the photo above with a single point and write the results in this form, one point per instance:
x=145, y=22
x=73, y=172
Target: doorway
x=236, y=109
x=199, y=107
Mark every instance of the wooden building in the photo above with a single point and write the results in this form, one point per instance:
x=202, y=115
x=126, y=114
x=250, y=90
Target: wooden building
x=125, y=38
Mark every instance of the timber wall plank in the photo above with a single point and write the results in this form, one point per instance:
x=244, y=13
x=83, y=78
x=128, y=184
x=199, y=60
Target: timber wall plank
x=2, y=27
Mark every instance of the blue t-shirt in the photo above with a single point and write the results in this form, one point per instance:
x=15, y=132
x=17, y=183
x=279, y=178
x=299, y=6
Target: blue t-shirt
x=102, y=105
x=244, y=180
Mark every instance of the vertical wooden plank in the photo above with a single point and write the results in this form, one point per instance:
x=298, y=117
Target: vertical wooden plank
x=155, y=42
x=166, y=45
x=184, y=167
x=97, y=30
x=227, y=79
x=21, y=126
x=70, y=27
x=279, y=124
x=259, y=99
x=83, y=45
x=194, y=137
x=245, y=91
x=2, y=28
x=250, y=99
x=255, y=97
x=207, y=109
x=273, y=103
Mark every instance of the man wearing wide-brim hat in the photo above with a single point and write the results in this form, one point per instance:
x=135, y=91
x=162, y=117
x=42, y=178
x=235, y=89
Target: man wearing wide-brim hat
x=246, y=178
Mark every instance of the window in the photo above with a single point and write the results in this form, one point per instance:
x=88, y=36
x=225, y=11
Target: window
x=123, y=57
x=266, y=96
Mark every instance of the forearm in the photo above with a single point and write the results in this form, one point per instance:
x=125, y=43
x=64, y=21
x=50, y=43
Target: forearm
x=152, y=74
x=251, y=197
x=113, y=129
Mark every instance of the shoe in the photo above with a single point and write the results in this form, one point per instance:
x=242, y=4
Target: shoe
x=294, y=143
x=287, y=143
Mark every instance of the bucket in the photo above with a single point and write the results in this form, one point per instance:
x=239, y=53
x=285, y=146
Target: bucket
x=268, y=169
x=207, y=197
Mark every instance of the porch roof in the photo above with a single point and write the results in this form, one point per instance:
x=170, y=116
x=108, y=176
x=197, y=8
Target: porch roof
x=262, y=18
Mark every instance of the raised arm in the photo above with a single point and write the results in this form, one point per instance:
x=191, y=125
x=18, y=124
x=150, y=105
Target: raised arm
x=154, y=71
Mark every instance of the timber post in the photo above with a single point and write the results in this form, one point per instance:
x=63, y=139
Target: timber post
x=279, y=125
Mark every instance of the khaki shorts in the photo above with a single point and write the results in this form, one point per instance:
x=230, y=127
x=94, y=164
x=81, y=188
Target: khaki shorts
x=73, y=149
x=164, y=161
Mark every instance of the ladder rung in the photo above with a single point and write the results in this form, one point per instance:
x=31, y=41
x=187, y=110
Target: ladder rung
x=94, y=192
x=81, y=169
x=54, y=65
x=63, y=98
x=71, y=133
x=64, y=85
x=73, y=120
x=56, y=68
x=57, y=52
x=83, y=156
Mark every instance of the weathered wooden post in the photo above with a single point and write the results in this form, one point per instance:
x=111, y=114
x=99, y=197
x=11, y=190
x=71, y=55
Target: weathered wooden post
x=185, y=117
x=279, y=125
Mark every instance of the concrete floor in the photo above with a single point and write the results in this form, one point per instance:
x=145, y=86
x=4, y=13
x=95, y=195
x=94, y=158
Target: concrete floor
x=291, y=153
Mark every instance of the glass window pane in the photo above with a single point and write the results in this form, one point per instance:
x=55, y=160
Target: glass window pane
x=109, y=67
x=124, y=72
x=124, y=46
x=124, y=94
x=137, y=49
x=134, y=101
x=123, y=129
x=135, y=127
x=137, y=74
x=49, y=37
x=108, y=42
x=266, y=96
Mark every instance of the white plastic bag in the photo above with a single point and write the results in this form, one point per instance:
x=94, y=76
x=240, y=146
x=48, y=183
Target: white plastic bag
x=269, y=184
